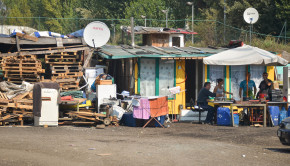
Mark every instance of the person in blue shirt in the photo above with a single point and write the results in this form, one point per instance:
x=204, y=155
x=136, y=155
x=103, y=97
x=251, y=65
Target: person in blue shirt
x=251, y=86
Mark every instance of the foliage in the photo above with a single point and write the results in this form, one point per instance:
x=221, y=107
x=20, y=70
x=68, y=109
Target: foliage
x=65, y=16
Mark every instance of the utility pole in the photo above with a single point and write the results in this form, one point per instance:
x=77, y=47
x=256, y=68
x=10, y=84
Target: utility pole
x=192, y=19
x=224, y=21
x=132, y=32
x=166, y=13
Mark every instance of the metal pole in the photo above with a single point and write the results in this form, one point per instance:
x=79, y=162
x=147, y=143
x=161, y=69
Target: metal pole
x=251, y=33
x=192, y=22
x=285, y=31
x=224, y=21
x=166, y=19
x=145, y=21
x=132, y=32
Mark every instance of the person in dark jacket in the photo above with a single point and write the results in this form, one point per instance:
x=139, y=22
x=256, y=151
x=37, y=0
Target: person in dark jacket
x=202, y=101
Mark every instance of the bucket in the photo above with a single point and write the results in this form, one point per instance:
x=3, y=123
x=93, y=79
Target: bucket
x=274, y=113
x=236, y=119
x=223, y=116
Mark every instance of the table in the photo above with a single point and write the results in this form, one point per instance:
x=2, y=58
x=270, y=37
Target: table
x=247, y=105
x=275, y=103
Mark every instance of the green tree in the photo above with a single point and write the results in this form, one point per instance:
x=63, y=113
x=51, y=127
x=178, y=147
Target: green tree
x=150, y=8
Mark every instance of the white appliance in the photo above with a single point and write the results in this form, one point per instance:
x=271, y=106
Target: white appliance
x=49, y=108
x=91, y=74
x=105, y=92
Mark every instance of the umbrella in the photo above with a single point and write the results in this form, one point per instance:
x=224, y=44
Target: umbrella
x=245, y=55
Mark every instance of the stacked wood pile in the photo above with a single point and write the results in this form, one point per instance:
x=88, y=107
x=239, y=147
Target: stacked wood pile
x=87, y=117
x=23, y=68
x=65, y=69
x=1, y=72
x=16, y=110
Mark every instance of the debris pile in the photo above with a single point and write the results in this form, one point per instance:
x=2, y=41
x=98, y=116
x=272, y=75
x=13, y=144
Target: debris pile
x=16, y=103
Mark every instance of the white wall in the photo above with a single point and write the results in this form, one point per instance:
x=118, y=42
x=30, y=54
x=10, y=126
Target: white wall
x=176, y=35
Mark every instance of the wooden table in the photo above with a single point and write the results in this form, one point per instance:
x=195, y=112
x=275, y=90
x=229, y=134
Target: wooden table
x=247, y=105
x=275, y=103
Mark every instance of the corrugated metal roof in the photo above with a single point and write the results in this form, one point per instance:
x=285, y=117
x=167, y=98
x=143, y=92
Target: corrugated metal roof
x=156, y=30
x=121, y=52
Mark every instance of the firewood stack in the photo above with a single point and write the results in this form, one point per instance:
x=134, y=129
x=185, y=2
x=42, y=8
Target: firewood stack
x=66, y=69
x=23, y=68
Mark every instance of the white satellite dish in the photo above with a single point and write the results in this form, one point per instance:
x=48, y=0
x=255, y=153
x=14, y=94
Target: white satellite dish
x=96, y=34
x=251, y=15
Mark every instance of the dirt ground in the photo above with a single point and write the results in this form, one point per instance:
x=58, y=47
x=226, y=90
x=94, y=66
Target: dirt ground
x=179, y=144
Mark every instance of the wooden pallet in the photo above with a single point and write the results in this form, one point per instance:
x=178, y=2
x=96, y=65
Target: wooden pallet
x=66, y=67
x=23, y=68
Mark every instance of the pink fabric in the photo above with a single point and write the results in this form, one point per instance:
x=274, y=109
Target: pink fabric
x=142, y=111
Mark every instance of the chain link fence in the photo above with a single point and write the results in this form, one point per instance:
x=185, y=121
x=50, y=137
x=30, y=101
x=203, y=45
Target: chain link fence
x=210, y=32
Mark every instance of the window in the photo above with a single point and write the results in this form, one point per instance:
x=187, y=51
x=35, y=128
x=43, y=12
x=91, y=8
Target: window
x=256, y=74
x=215, y=72
x=238, y=74
x=147, y=77
x=166, y=76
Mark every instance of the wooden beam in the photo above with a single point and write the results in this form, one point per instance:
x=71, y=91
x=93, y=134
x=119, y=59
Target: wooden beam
x=18, y=43
x=41, y=41
x=44, y=52
x=26, y=36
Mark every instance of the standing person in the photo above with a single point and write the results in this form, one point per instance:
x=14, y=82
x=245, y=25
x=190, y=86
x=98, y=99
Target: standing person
x=220, y=90
x=251, y=86
x=265, y=86
x=202, y=101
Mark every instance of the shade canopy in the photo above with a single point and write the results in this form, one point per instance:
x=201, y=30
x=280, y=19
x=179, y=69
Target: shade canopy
x=245, y=55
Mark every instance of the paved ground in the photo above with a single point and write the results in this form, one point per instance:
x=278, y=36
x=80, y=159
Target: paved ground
x=180, y=144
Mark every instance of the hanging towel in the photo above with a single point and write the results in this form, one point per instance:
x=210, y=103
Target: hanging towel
x=159, y=106
x=143, y=110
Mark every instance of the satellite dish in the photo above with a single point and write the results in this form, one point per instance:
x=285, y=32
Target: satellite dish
x=251, y=15
x=96, y=34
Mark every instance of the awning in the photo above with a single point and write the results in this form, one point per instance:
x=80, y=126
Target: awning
x=121, y=52
x=245, y=55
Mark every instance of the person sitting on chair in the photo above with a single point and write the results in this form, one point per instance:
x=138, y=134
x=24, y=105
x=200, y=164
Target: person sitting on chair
x=202, y=101
x=220, y=90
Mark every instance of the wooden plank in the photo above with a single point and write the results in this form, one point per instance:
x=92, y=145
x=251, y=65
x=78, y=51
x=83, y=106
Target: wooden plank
x=17, y=43
x=44, y=52
x=41, y=41
x=83, y=123
x=26, y=36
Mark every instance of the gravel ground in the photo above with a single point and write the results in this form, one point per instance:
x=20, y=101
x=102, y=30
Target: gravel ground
x=179, y=144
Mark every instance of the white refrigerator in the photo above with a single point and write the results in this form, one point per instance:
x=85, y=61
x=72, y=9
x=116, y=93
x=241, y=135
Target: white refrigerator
x=49, y=108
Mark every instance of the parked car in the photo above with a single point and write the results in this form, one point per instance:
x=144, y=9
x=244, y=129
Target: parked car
x=284, y=132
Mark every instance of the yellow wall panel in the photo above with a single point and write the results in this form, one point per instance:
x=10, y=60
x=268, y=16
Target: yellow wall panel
x=180, y=81
x=136, y=78
x=271, y=72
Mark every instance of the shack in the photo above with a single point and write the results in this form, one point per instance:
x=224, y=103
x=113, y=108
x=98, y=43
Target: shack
x=151, y=71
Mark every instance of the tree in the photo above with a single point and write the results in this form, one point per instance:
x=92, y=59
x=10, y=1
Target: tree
x=150, y=8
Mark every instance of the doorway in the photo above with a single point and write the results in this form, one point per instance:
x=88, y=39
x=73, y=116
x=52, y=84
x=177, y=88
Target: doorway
x=194, y=81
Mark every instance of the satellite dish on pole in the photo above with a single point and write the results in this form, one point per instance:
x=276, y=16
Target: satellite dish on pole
x=96, y=34
x=251, y=15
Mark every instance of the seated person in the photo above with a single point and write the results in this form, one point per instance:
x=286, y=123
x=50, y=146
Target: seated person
x=251, y=86
x=265, y=86
x=202, y=101
x=220, y=90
